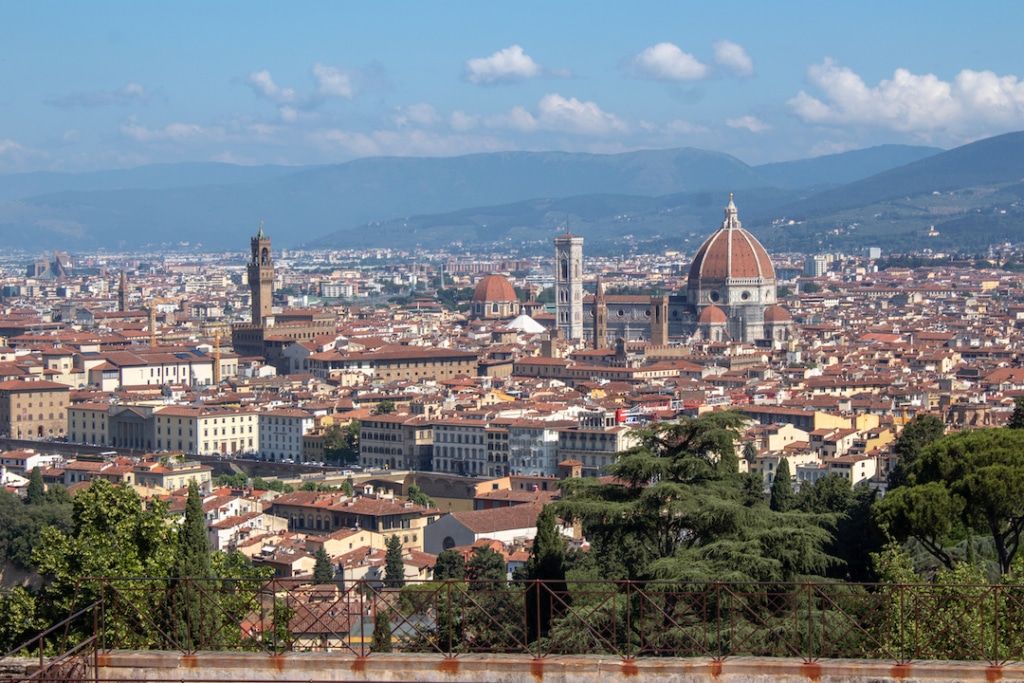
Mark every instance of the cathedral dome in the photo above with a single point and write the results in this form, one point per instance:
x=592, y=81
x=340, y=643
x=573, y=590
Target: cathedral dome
x=494, y=288
x=777, y=314
x=712, y=315
x=730, y=253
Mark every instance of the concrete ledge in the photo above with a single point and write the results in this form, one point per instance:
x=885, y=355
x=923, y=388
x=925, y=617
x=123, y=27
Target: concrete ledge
x=121, y=665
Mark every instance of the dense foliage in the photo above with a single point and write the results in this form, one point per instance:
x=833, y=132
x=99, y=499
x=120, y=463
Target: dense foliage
x=961, y=485
x=677, y=509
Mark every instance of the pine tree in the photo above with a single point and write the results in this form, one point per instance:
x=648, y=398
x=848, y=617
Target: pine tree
x=486, y=570
x=450, y=566
x=381, y=632
x=36, y=491
x=394, y=569
x=782, y=498
x=192, y=618
x=920, y=432
x=652, y=521
x=323, y=570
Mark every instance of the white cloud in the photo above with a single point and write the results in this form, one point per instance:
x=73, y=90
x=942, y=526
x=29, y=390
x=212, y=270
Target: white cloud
x=751, y=123
x=176, y=132
x=414, y=142
x=8, y=146
x=419, y=114
x=516, y=118
x=575, y=116
x=332, y=81
x=560, y=114
x=504, y=66
x=461, y=121
x=288, y=114
x=667, y=62
x=681, y=127
x=262, y=83
x=913, y=103
x=733, y=57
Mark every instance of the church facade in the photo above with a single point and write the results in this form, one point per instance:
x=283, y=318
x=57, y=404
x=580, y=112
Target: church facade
x=730, y=296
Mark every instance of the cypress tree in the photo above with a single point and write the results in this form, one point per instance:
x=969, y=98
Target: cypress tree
x=381, y=632
x=1017, y=419
x=782, y=488
x=547, y=568
x=192, y=618
x=749, y=451
x=394, y=570
x=323, y=570
x=36, y=491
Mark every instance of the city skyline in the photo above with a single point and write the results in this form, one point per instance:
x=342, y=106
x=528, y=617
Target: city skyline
x=257, y=84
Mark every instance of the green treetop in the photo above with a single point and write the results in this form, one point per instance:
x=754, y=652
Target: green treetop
x=394, y=569
x=192, y=620
x=782, y=488
x=36, y=491
x=921, y=431
x=969, y=482
x=1017, y=419
x=323, y=570
x=450, y=565
x=486, y=570
x=678, y=509
x=416, y=495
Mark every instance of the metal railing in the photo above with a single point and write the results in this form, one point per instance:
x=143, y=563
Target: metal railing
x=627, y=619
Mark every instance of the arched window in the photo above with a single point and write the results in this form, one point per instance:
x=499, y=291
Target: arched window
x=565, y=269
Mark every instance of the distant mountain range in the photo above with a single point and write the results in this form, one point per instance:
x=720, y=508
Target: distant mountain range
x=656, y=197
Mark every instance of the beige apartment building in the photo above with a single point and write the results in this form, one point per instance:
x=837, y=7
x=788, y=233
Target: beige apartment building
x=33, y=410
x=399, y=363
x=207, y=431
x=395, y=441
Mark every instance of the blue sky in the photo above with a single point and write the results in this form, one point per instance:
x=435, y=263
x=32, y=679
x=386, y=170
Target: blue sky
x=112, y=84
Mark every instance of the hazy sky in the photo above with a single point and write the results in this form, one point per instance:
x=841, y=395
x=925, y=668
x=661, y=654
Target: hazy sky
x=86, y=85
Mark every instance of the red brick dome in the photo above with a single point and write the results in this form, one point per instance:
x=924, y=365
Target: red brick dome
x=730, y=253
x=777, y=314
x=712, y=315
x=494, y=288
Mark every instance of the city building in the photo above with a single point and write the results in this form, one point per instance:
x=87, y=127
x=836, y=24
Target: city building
x=494, y=298
x=281, y=433
x=33, y=410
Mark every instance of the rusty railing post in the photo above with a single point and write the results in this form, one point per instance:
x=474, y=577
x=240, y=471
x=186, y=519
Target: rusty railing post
x=809, y=647
x=537, y=587
x=996, y=635
x=718, y=620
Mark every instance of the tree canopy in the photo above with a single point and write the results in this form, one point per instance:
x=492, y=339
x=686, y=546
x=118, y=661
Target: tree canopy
x=921, y=431
x=394, y=568
x=450, y=565
x=782, y=498
x=970, y=482
x=678, y=509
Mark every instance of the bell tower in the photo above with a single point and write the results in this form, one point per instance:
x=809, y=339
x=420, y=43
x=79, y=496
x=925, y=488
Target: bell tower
x=122, y=293
x=569, y=285
x=261, y=277
x=600, y=316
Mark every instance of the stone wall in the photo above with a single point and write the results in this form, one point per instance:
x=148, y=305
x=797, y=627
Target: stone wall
x=228, y=666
